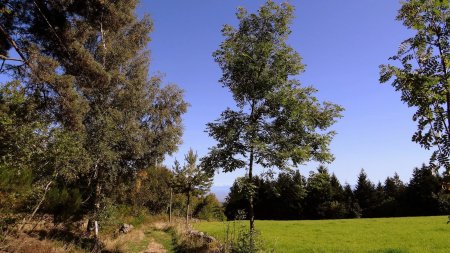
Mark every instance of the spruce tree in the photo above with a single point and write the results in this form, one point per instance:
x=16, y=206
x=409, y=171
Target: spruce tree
x=365, y=194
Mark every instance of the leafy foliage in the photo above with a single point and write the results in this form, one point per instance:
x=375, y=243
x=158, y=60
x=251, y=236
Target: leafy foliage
x=90, y=117
x=422, y=74
x=276, y=121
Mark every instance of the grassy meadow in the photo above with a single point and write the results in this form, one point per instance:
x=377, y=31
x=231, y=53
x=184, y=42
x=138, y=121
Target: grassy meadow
x=409, y=234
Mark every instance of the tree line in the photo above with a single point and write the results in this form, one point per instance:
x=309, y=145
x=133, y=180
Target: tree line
x=292, y=196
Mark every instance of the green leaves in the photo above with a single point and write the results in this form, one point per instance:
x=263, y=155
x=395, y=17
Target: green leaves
x=422, y=74
x=90, y=111
x=277, y=120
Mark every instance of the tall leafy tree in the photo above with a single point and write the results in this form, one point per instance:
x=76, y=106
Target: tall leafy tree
x=393, y=186
x=85, y=67
x=235, y=200
x=190, y=179
x=422, y=74
x=276, y=122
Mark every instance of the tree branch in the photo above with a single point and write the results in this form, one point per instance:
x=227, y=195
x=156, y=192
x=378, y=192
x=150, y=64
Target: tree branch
x=14, y=45
x=3, y=57
x=47, y=187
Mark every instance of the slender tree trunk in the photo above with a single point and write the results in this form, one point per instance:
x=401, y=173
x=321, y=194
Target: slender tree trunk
x=250, y=178
x=187, y=208
x=170, y=205
x=97, y=199
x=13, y=44
x=250, y=209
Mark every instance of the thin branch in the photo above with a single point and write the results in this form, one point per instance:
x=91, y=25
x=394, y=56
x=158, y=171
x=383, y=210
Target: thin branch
x=47, y=187
x=3, y=57
x=50, y=25
x=103, y=42
x=14, y=45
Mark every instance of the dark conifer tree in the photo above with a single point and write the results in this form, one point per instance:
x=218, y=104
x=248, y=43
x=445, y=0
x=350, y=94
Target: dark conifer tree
x=366, y=195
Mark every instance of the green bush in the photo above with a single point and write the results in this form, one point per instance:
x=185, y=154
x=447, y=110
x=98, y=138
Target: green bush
x=210, y=209
x=63, y=203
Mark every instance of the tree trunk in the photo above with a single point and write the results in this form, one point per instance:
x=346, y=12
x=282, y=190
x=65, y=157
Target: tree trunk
x=250, y=209
x=170, y=205
x=93, y=220
x=250, y=179
x=187, y=208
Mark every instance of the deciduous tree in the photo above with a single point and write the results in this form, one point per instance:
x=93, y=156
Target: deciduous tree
x=85, y=68
x=276, y=122
x=422, y=74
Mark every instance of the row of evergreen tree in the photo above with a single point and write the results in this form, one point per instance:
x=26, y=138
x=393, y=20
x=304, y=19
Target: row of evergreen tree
x=322, y=196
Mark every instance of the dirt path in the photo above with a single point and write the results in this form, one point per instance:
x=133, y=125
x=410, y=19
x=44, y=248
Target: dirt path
x=154, y=247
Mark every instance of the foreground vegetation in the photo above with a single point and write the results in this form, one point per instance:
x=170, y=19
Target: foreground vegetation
x=408, y=234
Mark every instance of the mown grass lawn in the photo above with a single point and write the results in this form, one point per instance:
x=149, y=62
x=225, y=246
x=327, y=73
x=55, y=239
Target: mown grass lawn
x=409, y=234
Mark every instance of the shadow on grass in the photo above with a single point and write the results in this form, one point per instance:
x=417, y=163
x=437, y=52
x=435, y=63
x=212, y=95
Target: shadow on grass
x=67, y=237
x=389, y=251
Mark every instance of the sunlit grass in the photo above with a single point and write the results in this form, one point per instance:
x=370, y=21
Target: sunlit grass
x=410, y=234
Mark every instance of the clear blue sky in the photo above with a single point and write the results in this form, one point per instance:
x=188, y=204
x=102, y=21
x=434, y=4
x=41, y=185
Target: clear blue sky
x=341, y=42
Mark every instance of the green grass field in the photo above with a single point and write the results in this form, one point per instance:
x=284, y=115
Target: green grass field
x=411, y=234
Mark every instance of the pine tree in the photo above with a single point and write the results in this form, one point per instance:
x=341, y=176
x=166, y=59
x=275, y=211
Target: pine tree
x=190, y=179
x=365, y=194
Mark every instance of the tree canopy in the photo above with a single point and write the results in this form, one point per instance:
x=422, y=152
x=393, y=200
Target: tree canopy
x=88, y=105
x=422, y=74
x=276, y=122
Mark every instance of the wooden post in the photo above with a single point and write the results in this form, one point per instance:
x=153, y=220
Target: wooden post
x=96, y=229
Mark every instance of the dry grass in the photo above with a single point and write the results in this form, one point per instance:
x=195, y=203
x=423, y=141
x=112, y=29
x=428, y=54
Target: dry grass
x=154, y=247
x=27, y=244
x=119, y=243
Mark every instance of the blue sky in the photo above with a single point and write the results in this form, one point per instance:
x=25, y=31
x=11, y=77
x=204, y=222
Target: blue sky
x=342, y=44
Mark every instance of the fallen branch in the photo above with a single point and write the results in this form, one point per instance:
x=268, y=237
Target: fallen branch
x=47, y=187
